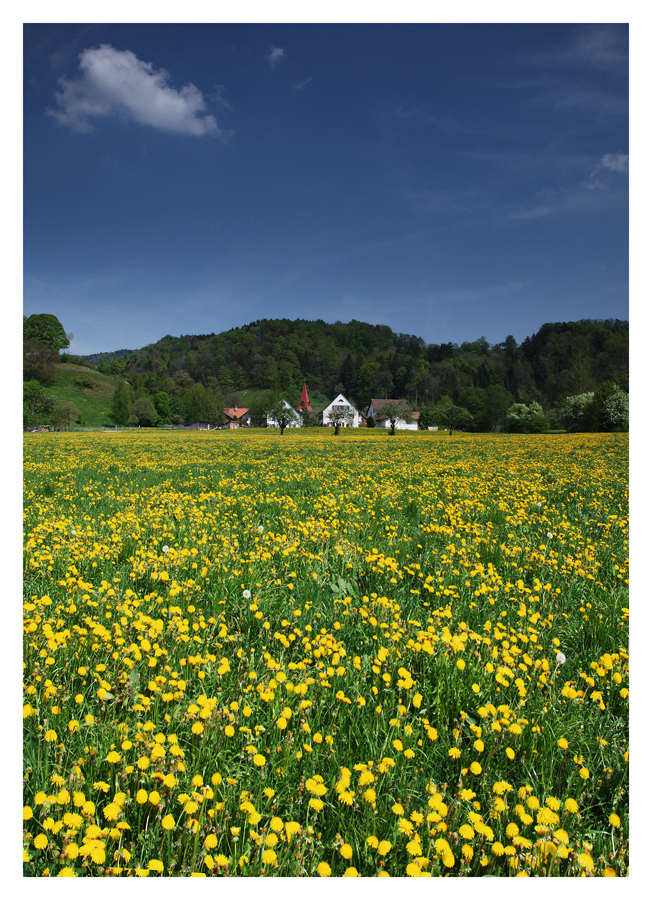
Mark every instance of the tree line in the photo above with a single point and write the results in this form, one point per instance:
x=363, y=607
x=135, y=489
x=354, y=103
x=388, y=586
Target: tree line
x=475, y=385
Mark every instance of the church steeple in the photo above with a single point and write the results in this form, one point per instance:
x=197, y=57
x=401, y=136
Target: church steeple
x=304, y=403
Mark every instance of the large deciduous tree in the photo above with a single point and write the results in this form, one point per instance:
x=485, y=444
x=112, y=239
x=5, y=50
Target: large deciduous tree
x=65, y=414
x=448, y=415
x=44, y=328
x=143, y=413
x=43, y=337
x=606, y=409
x=522, y=419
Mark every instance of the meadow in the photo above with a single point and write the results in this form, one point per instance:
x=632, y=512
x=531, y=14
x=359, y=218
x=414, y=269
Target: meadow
x=309, y=655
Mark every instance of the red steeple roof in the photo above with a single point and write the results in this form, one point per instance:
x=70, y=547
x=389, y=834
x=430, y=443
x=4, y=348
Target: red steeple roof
x=304, y=403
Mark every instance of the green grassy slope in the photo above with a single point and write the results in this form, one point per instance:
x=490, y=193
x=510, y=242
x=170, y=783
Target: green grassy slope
x=91, y=392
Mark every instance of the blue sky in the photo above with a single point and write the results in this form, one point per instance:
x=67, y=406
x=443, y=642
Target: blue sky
x=449, y=181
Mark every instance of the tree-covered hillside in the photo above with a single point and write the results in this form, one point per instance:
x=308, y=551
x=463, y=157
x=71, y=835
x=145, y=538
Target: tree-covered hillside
x=365, y=361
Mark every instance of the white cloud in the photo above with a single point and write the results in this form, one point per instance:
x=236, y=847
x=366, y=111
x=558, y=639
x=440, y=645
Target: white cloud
x=117, y=83
x=617, y=162
x=275, y=54
x=612, y=162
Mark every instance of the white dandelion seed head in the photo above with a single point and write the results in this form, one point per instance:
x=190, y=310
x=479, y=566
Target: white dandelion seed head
x=550, y=535
x=246, y=594
x=561, y=659
x=166, y=549
x=261, y=529
x=539, y=503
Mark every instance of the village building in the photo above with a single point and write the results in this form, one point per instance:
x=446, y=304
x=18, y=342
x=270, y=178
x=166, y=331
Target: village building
x=237, y=417
x=304, y=403
x=340, y=403
x=384, y=422
x=272, y=423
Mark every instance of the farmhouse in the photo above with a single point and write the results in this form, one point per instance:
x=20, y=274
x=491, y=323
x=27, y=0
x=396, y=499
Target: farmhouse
x=340, y=403
x=384, y=422
x=237, y=417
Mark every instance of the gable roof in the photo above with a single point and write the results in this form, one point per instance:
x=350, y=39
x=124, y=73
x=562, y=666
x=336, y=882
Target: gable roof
x=236, y=413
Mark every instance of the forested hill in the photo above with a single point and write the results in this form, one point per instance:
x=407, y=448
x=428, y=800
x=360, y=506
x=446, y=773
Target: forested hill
x=365, y=361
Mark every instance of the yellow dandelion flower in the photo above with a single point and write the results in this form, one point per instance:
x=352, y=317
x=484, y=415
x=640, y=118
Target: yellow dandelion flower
x=66, y=872
x=586, y=861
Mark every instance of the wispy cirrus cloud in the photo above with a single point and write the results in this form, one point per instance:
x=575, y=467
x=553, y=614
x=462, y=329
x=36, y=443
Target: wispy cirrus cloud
x=115, y=83
x=593, y=46
x=274, y=56
x=583, y=197
x=448, y=126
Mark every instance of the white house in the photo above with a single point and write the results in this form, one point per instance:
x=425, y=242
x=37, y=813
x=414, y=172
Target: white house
x=383, y=421
x=272, y=423
x=340, y=402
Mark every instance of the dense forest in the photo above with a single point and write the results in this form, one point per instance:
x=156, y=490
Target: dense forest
x=364, y=361
x=182, y=379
